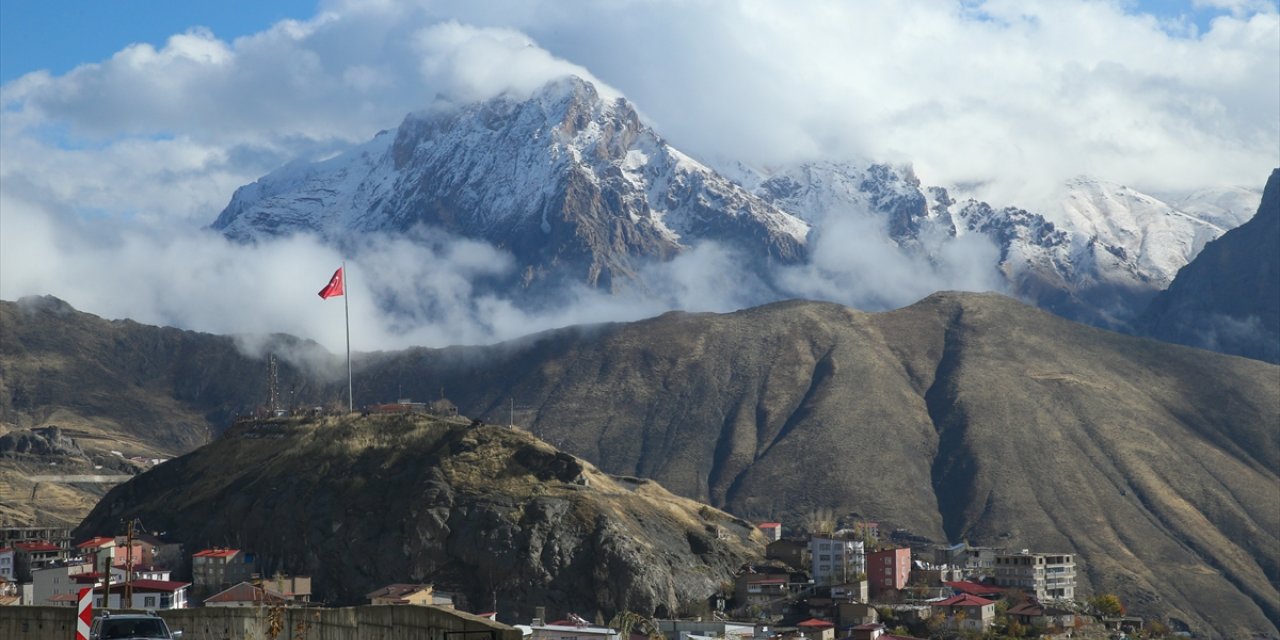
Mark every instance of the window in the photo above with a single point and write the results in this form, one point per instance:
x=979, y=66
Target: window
x=149, y=601
x=888, y=561
x=888, y=571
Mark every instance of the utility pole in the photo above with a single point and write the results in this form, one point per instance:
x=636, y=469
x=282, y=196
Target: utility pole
x=128, y=556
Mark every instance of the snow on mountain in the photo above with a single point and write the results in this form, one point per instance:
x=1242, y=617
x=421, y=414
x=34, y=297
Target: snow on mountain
x=571, y=184
x=1087, y=258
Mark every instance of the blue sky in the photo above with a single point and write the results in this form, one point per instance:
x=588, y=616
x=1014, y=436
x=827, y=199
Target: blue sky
x=57, y=35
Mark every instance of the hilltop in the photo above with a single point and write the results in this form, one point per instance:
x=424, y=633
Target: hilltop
x=491, y=513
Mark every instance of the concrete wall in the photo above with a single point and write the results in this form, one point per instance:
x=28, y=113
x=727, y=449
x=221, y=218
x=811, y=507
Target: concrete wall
x=38, y=623
x=353, y=623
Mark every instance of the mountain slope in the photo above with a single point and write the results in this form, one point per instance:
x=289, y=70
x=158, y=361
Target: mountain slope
x=1228, y=298
x=118, y=386
x=573, y=185
x=488, y=512
x=963, y=416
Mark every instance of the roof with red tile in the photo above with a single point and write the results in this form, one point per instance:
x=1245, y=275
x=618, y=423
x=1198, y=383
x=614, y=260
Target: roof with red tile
x=964, y=600
x=769, y=525
x=975, y=588
x=99, y=541
x=814, y=623
x=36, y=546
x=215, y=553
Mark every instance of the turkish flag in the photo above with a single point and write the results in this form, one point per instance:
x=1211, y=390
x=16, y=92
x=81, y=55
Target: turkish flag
x=335, y=286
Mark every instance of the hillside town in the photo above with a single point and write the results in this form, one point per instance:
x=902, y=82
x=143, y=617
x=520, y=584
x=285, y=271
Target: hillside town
x=853, y=581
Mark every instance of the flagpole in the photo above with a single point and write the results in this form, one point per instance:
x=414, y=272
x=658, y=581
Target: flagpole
x=346, y=311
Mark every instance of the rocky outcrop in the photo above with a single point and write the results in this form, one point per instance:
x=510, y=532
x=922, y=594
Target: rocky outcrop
x=490, y=513
x=1228, y=298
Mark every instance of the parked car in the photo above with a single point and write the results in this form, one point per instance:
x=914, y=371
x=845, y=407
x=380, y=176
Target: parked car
x=131, y=626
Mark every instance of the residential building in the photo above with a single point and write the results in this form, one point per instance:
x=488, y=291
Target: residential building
x=815, y=629
x=682, y=629
x=1047, y=576
x=836, y=560
x=867, y=631
x=982, y=559
x=934, y=575
x=851, y=614
x=8, y=565
x=147, y=594
x=99, y=550
x=410, y=594
x=980, y=589
x=213, y=570
x=851, y=591
x=966, y=612
x=59, y=536
x=794, y=552
x=52, y=584
x=1030, y=612
x=33, y=556
x=245, y=595
x=295, y=588
x=888, y=570
x=760, y=589
x=772, y=530
x=160, y=553
x=574, y=629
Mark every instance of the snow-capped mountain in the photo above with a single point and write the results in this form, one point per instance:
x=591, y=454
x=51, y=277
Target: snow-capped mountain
x=573, y=185
x=578, y=189
x=1097, y=257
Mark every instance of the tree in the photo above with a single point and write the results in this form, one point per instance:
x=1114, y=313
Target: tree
x=1108, y=604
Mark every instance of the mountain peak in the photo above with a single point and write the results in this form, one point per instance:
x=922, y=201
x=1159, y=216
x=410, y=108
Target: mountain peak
x=571, y=183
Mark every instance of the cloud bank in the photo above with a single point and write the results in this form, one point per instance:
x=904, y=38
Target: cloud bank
x=108, y=172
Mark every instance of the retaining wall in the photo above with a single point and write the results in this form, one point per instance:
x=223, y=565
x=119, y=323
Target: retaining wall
x=383, y=622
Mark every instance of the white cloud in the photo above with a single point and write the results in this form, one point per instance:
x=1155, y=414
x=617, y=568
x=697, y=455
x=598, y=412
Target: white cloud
x=115, y=164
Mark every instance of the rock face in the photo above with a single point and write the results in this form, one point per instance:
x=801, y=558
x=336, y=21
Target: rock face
x=572, y=184
x=1228, y=298
x=964, y=416
x=488, y=512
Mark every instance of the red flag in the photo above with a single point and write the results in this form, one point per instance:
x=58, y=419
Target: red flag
x=335, y=286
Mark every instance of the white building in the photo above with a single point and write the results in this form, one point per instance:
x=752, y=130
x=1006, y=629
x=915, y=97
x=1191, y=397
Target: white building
x=1047, y=576
x=836, y=560
x=8, y=566
x=147, y=594
x=61, y=584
